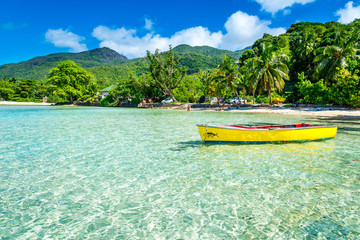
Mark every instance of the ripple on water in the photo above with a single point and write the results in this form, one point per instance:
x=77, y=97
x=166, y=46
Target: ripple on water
x=130, y=173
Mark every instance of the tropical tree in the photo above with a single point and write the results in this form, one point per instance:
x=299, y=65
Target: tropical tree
x=191, y=88
x=306, y=46
x=268, y=70
x=7, y=88
x=70, y=82
x=214, y=87
x=247, y=79
x=166, y=71
x=333, y=57
x=315, y=93
x=146, y=86
x=229, y=75
x=124, y=90
x=346, y=90
x=14, y=90
x=27, y=88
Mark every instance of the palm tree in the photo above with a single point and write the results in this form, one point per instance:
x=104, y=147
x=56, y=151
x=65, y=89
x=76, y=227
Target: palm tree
x=306, y=46
x=332, y=57
x=269, y=70
x=214, y=87
x=250, y=84
x=229, y=74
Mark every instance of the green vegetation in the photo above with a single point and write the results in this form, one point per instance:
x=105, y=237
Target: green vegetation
x=26, y=90
x=38, y=68
x=311, y=63
x=191, y=88
x=69, y=82
x=269, y=70
x=166, y=71
x=109, y=66
x=66, y=83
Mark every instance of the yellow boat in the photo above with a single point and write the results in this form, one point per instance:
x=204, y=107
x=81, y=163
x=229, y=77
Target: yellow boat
x=266, y=134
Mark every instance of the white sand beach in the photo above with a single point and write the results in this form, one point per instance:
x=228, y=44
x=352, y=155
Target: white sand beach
x=25, y=103
x=308, y=111
x=316, y=112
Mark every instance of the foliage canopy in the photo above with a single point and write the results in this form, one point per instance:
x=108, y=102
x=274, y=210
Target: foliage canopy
x=71, y=82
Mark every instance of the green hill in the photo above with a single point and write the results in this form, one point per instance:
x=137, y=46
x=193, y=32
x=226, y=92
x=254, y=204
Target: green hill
x=108, y=66
x=37, y=68
x=207, y=51
x=203, y=57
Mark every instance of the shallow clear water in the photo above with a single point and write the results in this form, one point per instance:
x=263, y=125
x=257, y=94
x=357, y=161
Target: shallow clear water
x=111, y=173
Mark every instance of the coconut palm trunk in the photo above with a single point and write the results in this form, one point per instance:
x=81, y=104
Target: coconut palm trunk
x=268, y=70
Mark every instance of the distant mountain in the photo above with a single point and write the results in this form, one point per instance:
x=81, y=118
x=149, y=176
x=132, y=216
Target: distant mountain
x=90, y=58
x=37, y=68
x=109, y=66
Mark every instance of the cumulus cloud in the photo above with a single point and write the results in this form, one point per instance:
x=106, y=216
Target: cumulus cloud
x=125, y=41
x=65, y=39
x=274, y=6
x=349, y=13
x=196, y=36
x=241, y=31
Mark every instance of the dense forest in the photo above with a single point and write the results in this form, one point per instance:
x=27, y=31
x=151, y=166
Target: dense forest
x=311, y=63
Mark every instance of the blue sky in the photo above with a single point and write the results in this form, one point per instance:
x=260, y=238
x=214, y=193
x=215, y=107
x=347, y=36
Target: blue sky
x=37, y=28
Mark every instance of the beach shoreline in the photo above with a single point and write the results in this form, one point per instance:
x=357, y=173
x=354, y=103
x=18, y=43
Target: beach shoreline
x=293, y=111
x=306, y=110
x=303, y=110
x=315, y=111
x=25, y=103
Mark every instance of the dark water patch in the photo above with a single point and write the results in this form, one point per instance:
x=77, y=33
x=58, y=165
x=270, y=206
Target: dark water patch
x=337, y=122
x=343, y=118
x=328, y=228
x=348, y=129
x=186, y=145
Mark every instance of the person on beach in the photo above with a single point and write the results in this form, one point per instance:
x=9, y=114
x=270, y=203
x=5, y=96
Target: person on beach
x=295, y=104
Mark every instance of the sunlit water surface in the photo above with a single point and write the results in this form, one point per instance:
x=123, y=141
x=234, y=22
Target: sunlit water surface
x=110, y=173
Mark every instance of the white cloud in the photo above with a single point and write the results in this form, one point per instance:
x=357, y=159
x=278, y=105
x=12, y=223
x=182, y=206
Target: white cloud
x=196, y=36
x=129, y=44
x=274, y=6
x=349, y=13
x=148, y=24
x=241, y=31
x=65, y=39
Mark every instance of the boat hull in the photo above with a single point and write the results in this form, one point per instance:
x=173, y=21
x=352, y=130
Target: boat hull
x=229, y=134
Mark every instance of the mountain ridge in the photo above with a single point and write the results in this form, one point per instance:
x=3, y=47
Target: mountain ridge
x=98, y=59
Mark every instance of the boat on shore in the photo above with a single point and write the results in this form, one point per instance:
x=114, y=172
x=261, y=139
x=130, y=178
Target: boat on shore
x=266, y=134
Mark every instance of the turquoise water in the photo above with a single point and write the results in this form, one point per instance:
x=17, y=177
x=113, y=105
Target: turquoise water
x=110, y=173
